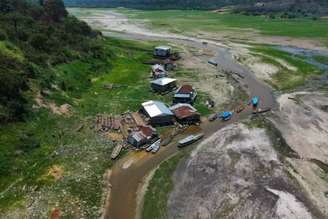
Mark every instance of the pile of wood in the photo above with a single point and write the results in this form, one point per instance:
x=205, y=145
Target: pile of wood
x=105, y=122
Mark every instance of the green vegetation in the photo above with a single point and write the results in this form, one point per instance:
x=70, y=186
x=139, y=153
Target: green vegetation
x=193, y=21
x=286, y=78
x=322, y=59
x=30, y=147
x=32, y=39
x=155, y=204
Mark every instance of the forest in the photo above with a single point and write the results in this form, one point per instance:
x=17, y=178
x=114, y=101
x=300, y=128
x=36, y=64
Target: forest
x=33, y=38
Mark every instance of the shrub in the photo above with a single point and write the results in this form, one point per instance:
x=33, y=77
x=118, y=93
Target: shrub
x=3, y=35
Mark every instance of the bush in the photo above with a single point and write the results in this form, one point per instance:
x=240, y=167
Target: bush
x=3, y=35
x=39, y=41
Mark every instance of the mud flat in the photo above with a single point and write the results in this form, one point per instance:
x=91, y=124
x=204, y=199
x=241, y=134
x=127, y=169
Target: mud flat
x=236, y=173
x=303, y=122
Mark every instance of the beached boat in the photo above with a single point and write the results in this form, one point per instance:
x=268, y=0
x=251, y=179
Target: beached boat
x=190, y=139
x=225, y=116
x=264, y=110
x=156, y=146
x=117, y=150
x=213, y=117
x=151, y=147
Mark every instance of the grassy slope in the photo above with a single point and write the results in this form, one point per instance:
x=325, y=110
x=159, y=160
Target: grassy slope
x=83, y=155
x=158, y=190
x=322, y=59
x=28, y=169
x=286, y=79
x=193, y=21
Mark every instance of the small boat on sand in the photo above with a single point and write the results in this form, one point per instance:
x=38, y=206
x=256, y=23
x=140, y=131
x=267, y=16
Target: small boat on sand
x=190, y=139
x=225, y=116
x=156, y=146
x=264, y=110
x=117, y=150
x=153, y=145
x=213, y=117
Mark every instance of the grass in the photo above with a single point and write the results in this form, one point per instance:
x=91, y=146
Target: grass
x=9, y=50
x=29, y=149
x=321, y=59
x=179, y=21
x=155, y=204
x=286, y=79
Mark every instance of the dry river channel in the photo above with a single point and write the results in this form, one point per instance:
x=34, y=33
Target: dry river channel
x=129, y=172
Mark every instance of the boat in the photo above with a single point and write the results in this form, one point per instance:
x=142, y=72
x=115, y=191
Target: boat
x=255, y=101
x=156, y=146
x=225, y=116
x=166, y=141
x=151, y=147
x=240, y=109
x=213, y=117
x=264, y=110
x=117, y=150
x=190, y=139
x=212, y=62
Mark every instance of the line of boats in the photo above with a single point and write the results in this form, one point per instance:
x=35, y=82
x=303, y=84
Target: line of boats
x=190, y=139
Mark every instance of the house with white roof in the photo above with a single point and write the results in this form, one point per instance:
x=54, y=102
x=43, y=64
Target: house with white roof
x=162, y=51
x=157, y=113
x=162, y=85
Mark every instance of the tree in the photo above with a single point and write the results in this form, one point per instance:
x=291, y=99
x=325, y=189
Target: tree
x=54, y=10
x=5, y=6
x=15, y=18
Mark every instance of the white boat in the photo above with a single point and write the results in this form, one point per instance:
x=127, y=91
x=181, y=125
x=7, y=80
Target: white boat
x=156, y=146
x=117, y=150
x=190, y=139
x=151, y=147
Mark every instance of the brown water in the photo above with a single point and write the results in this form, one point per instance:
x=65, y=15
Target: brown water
x=129, y=172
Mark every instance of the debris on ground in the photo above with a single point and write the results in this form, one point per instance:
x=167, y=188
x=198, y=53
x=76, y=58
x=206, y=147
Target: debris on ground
x=56, y=171
x=115, y=136
x=210, y=103
x=105, y=122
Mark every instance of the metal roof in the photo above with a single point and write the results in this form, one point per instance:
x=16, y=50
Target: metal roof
x=183, y=110
x=182, y=95
x=185, y=89
x=163, y=81
x=163, y=47
x=156, y=108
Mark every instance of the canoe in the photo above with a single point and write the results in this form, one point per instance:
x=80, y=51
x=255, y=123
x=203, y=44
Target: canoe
x=117, y=150
x=156, y=146
x=190, y=139
x=151, y=147
x=213, y=117
x=225, y=116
